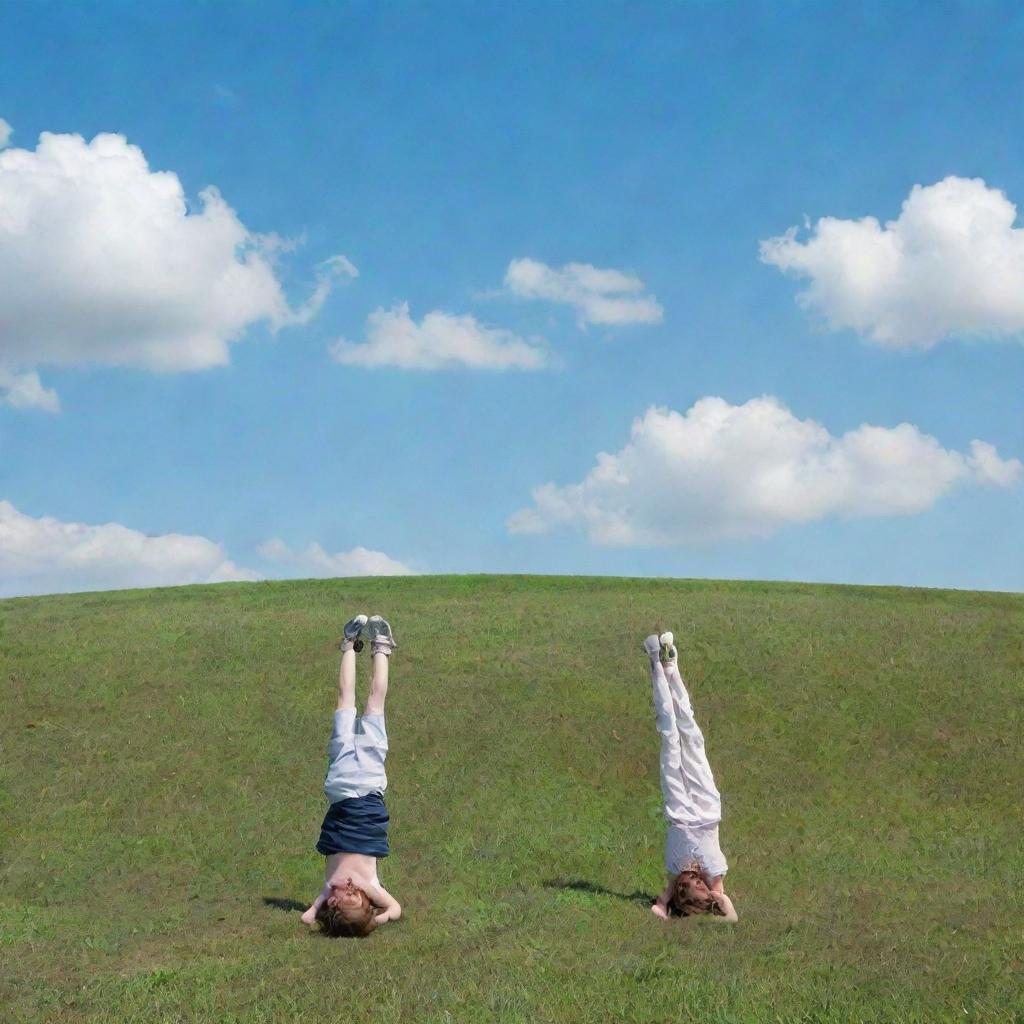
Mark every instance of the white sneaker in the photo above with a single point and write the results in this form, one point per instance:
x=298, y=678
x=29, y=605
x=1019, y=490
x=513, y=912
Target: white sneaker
x=652, y=645
x=667, y=652
x=351, y=635
x=382, y=640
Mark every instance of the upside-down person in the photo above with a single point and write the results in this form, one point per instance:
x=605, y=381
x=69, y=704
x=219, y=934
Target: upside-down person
x=354, y=833
x=693, y=808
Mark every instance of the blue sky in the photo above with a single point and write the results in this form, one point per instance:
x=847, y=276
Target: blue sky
x=433, y=144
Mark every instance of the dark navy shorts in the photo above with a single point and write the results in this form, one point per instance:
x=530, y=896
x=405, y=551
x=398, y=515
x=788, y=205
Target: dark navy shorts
x=359, y=825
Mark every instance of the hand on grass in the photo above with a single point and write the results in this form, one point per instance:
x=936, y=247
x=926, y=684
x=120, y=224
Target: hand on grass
x=729, y=915
x=659, y=911
x=392, y=910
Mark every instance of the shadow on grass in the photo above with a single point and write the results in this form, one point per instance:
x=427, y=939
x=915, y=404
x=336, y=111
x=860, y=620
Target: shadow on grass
x=641, y=899
x=283, y=903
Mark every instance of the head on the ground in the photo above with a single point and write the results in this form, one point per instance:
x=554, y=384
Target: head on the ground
x=347, y=912
x=691, y=894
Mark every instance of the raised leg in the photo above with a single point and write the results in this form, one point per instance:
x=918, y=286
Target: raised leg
x=673, y=783
x=379, y=685
x=347, y=681
x=345, y=712
x=705, y=803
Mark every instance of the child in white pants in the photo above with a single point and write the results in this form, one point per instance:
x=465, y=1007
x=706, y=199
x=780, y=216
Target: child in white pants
x=693, y=807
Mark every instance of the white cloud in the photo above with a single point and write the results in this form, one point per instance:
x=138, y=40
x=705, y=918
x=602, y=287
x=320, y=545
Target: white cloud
x=313, y=560
x=598, y=296
x=950, y=265
x=5, y=133
x=989, y=468
x=728, y=471
x=439, y=341
x=26, y=391
x=102, y=261
x=46, y=556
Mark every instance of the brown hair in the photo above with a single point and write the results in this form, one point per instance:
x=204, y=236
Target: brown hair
x=691, y=895
x=339, y=921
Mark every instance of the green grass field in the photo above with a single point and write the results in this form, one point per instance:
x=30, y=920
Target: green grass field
x=163, y=754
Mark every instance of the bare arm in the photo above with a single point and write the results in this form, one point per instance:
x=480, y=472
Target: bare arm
x=309, y=916
x=391, y=910
x=717, y=887
x=660, y=907
x=729, y=915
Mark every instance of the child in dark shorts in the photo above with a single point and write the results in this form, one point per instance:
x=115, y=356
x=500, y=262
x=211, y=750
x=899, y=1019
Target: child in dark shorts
x=354, y=833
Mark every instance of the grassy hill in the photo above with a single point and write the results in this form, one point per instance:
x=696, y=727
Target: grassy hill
x=162, y=753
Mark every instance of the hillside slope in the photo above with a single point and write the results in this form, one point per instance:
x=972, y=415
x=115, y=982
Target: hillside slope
x=163, y=752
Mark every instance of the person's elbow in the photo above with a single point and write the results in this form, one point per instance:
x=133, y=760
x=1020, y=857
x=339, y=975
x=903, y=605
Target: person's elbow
x=728, y=910
x=386, y=916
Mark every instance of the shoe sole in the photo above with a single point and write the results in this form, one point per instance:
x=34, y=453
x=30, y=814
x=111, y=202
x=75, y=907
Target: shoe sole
x=348, y=634
x=380, y=631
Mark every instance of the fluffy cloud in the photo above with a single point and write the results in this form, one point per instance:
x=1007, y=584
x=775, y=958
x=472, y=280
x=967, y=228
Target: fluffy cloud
x=440, y=341
x=103, y=261
x=598, y=296
x=5, y=133
x=46, y=556
x=313, y=560
x=26, y=391
x=951, y=264
x=728, y=471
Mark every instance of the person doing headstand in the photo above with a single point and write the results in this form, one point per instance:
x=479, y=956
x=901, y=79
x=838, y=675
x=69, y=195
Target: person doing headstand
x=354, y=833
x=693, y=807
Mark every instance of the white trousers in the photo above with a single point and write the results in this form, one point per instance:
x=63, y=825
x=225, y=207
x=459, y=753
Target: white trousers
x=355, y=756
x=693, y=806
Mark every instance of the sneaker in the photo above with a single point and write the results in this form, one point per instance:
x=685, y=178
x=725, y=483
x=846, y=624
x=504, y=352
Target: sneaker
x=382, y=640
x=667, y=652
x=352, y=634
x=652, y=645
